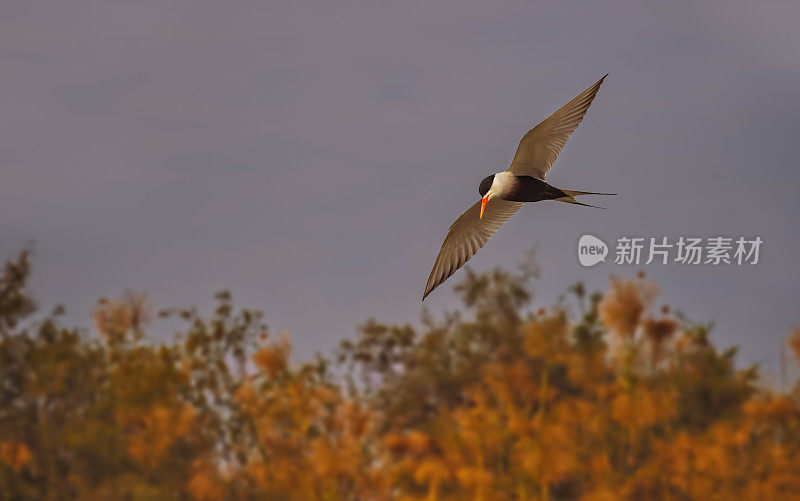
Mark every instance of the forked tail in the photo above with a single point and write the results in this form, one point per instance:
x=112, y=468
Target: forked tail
x=571, y=194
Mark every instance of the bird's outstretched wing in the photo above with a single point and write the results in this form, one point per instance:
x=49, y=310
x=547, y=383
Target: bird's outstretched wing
x=539, y=148
x=466, y=237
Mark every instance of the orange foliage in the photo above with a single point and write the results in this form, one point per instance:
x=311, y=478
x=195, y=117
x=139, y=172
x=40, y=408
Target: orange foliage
x=626, y=302
x=15, y=454
x=204, y=483
x=274, y=358
x=499, y=405
x=154, y=431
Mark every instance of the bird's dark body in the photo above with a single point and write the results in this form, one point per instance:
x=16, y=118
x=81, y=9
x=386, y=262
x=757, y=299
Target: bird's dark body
x=525, y=189
x=530, y=189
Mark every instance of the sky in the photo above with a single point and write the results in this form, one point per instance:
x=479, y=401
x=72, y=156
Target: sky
x=310, y=156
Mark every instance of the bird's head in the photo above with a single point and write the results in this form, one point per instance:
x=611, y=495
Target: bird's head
x=485, y=191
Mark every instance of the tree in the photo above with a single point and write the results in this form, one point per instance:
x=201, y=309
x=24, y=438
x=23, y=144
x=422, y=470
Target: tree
x=601, y=396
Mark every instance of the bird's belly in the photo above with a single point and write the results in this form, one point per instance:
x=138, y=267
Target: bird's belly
x=530, y=189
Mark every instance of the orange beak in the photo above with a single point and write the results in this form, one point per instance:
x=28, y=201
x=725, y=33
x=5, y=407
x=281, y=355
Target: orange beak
x=483, y=205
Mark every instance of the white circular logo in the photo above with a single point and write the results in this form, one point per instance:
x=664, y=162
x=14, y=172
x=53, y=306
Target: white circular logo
x=591, y=250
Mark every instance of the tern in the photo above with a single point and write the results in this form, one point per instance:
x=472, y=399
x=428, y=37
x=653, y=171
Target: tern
x=502, y=194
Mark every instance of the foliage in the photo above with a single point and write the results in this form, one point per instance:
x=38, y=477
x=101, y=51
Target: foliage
x=596, y=398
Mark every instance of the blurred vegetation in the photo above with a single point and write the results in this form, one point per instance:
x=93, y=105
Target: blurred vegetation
x=598, y=398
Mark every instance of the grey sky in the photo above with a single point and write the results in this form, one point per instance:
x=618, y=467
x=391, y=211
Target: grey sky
x=310, y=156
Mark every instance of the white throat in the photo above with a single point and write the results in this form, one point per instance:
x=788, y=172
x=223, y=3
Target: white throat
x=502, y=184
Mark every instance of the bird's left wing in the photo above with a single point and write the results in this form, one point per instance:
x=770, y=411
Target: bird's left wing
x=466, y=237
x=539, y=148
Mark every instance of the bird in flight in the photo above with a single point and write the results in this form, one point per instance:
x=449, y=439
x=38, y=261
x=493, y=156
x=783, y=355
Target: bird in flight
x=502, y=194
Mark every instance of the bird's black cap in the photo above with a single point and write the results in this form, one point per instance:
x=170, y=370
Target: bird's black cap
x=485, y=185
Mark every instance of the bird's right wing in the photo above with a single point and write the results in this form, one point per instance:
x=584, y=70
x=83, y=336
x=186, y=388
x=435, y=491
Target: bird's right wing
x=466, y=237
x=539, y=148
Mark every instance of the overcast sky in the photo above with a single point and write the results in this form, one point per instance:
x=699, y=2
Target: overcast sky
x=310, y=156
